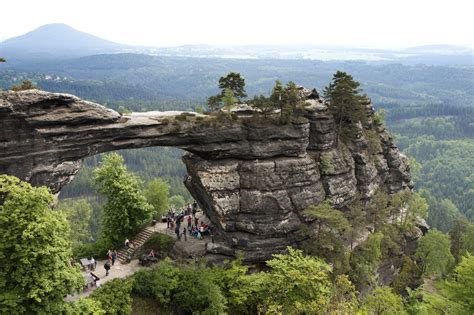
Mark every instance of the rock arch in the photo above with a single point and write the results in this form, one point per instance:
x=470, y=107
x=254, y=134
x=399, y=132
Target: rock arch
x=253, y=179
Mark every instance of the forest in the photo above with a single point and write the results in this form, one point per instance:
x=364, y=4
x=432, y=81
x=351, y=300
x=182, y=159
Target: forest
x=429, y=109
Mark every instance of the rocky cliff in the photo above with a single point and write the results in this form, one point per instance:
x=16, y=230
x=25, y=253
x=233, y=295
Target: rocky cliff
x=252, y=178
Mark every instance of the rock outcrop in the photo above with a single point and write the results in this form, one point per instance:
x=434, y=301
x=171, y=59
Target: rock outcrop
x=252, y=178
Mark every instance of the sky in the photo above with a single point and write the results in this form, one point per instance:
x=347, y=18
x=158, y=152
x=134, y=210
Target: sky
x=354, y=23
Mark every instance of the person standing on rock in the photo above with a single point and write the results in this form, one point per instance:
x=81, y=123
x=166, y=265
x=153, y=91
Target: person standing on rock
x=107, y=267
x=184, y=233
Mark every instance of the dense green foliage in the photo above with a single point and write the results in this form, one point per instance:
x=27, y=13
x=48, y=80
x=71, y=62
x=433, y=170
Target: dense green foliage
x=382, y=301
x=114, y=297
x=294, y=284
x=35, y=251
x=126, y=209
x=434, y=250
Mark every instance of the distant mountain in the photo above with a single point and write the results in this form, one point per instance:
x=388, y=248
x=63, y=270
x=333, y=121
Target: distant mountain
x=56, y=40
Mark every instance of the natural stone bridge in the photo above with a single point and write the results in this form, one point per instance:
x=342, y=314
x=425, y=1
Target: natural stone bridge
x=253, y=179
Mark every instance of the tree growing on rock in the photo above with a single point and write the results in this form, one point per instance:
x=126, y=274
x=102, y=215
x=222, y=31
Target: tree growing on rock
x=35, y=273
x=232, y=91
x=326, y=241
x=284, y=99
x=347, y=105
x=327, y=218
x=126, y=209
x=234, y=82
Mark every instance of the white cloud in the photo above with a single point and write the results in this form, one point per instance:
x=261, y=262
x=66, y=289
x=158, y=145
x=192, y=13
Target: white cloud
x=372, y=23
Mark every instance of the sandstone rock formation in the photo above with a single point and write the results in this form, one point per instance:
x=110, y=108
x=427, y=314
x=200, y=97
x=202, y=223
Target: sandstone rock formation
x=253, y=179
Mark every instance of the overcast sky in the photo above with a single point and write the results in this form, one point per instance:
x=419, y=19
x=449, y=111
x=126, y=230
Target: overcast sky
x=362, y=23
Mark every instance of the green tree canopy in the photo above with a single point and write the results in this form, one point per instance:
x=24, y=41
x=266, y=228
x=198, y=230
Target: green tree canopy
x=296, y=284
x=285, y=99
x=177, y=201
x=114, y=296
x=234, y=82
x=232, y=91
x=434, y=251
x=461, y=287
x=126, y=209
x=36, y=273
x=467, y=240
x=157, y=195
x=382, y=301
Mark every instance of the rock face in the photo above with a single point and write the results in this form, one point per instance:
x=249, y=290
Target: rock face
x=253, y=179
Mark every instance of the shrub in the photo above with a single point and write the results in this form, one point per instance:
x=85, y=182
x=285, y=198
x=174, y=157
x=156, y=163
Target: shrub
x=198, y=293
x=84, y=306
x=158, y=282
x=114, y=296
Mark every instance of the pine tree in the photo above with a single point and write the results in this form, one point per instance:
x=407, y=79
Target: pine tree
x=235, y=82
x=347, y=105
x=232, y=91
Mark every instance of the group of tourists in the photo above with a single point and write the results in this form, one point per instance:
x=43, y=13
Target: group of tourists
x=174, y=220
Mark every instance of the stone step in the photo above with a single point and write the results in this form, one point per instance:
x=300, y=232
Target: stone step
x=138, y=242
